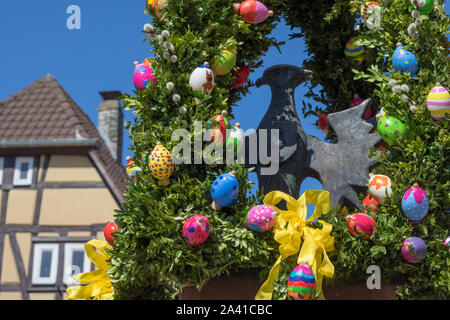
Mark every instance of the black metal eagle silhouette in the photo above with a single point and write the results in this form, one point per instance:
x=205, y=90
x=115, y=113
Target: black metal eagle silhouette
x=342, y=168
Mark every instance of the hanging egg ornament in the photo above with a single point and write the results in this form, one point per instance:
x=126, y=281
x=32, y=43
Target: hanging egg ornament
x=235, y=139
x=414, y=249
x=242, y=75
x=361, y=225
x=415, y=203
x=261, y=218
x=370, y=203
x=150, y=62
x=196, y=230
x=132, y=169
x=201, y=80
x=301, y=283
x=156, y=6
x=426, y=9
x=380, y=187
x=253, y=11
x=405, y=61
x=218, y=132
x=438, y=102
x=354, y=52
x=161, y=165
x=224, y=190
x=142, y=77
x=110, y=228
x=447, y=243
x=371, y=14
x=357, y=100
x=223, y=63
x=389, y=128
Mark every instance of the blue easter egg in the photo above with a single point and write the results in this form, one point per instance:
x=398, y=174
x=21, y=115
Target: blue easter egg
x=405, y=61
x=225, y=189
x=415, y=204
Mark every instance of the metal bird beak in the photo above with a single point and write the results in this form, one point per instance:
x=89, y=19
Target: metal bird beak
x=303, y=76
x=261, y=81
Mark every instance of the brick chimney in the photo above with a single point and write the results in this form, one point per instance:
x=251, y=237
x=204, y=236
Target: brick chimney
x=110, y=122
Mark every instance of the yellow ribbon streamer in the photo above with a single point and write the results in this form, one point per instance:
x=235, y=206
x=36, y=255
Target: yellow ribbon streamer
x=100, y=286
x=291, y=228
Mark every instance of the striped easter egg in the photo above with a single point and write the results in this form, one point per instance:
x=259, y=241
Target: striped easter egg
x=438, y=102
x=301, y=283
x=361, y=225
x=160, y=164
x=354, y=52
x=218, y=131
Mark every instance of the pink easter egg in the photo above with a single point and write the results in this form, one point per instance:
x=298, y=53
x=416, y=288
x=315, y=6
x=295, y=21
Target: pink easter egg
x=261, y=218
x=142, y=77
x=196, y=230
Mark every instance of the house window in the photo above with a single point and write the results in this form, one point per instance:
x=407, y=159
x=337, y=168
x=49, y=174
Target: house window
x=45, y=263
x=2, y=162
x=75, y=261
x=23, y=171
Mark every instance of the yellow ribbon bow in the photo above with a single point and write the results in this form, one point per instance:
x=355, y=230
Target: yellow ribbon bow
x=291, y=228
x=100, y=286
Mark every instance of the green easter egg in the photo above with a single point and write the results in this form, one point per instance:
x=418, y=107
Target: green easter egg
x=390, y=129
x=426, y=9
x=223, y=63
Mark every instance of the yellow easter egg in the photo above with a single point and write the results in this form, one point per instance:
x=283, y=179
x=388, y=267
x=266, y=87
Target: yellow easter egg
x=161, y=165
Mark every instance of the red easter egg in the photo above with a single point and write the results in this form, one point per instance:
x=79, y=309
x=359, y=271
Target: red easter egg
x=370, y=203
x=241, y=76
x=360, y=225
x=110, y=228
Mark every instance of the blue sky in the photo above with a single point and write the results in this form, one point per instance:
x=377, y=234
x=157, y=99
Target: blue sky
x=35, y=41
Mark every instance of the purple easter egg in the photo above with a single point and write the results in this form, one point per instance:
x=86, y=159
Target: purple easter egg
x=196, y=230
x=414, y=249
x=142, y=77
x=415, y=203
x=261, y=218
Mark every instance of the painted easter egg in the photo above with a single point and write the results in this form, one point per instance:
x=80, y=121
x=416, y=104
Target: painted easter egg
x=242, y=75
x=201, y=80
x=253, y=11
x=447, y=243
x=156, y=6
x=415, y=203
x=132, y=169
x=261, y=218
x=161, y=165
x=110, y=228
x=370, y=203
x=235, y=139
x=142, y=77
x=223, y=63
x=380, y=187
x=357, y=100
x=360, y=225
x=390, y=129
x=302, y=283
x=414, y=249
x=150, y=62
x=438, y=102
x=196, y=230
x=405, y=61
x=354, y=52
x=371, y=14
x=218, y=130
x=224, y=190
x=426, y=9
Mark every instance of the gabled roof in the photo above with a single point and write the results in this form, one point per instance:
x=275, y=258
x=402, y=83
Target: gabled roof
x=44, y=112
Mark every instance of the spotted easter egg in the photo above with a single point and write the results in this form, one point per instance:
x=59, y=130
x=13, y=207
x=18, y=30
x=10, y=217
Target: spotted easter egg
x=414, y=249
x=426, y=9
x=161, y=165
x=218, y=129
x=253, y=11
x=196, y=230
x=438, y=102
x=415, y=203
x=380, y=187
x=261, y=218
x=132, y=169
x=371, y=14
x=224, y=62
x=201, y=80
x=156, y=6
x=405, y=61
x=142, y=77
x=225, y=189
x=354, y=52
x=357, y=100
x=301, y=283
x=360, y=225
x=390, y=129
x=370, y=203
x=447, y=243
